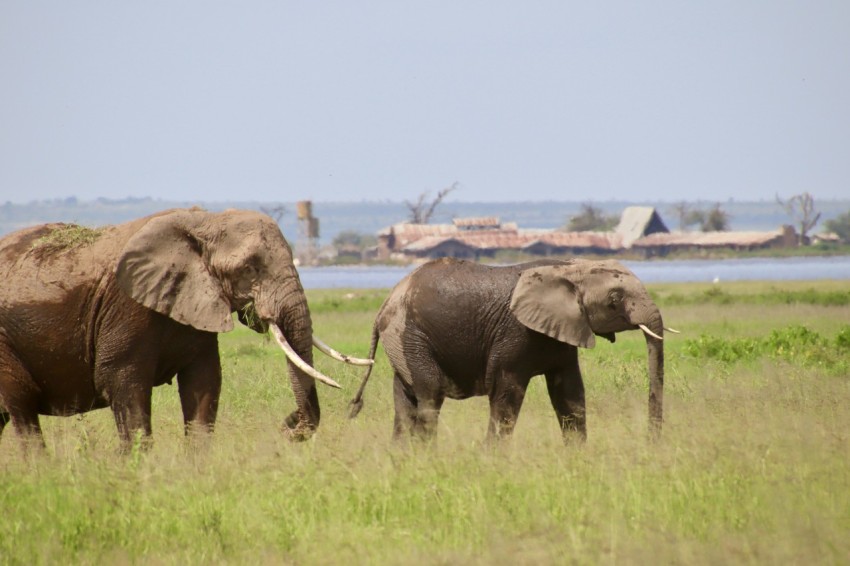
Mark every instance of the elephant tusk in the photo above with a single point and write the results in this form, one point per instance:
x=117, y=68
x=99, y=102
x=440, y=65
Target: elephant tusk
x=649, y=332
x=673, y=330
x=293, y=356
x=339, y=356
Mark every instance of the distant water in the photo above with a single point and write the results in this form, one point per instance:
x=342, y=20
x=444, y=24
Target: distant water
x=660, y=271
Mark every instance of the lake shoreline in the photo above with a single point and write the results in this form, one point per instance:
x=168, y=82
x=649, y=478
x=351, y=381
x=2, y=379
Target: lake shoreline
x=795, y=268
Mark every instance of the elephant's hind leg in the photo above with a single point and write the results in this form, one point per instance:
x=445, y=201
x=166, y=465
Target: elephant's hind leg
x=428, y=378
x=427, y=418
x=19, y=397
x=27, y=427
x=417, y=410
x=405, y=409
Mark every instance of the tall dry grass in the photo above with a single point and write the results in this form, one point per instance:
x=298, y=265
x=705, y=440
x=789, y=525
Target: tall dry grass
x=752, y=467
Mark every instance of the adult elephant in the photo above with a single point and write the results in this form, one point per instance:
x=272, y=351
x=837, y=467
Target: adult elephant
x=92, y=318
x=456, y=329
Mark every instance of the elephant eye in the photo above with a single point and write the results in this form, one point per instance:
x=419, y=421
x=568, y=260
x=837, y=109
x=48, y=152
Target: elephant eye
x=615, y=297
x=252, y=264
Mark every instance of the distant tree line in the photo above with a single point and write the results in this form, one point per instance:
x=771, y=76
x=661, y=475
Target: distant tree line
x=593, y=219
x=712, y=219
x=840, y=226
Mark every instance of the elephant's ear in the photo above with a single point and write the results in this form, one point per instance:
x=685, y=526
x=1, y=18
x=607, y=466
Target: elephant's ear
x=162, y=267
x=545, y=300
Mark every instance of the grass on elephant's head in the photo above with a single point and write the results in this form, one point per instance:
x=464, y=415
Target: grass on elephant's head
x=751, y=467
x=67, y=236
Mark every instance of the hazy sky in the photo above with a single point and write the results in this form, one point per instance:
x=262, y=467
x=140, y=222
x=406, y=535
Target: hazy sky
x=343, y=100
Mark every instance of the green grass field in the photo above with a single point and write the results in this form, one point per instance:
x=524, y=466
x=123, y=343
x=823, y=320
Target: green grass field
x=753, y=466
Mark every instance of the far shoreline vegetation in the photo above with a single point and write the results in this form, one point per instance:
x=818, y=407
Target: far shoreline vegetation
x=815, y=250
x=354, y=225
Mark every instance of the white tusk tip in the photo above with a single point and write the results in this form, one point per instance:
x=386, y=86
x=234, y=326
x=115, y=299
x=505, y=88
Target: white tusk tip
x=293, y=357
x=325, y=349
x=649, y=332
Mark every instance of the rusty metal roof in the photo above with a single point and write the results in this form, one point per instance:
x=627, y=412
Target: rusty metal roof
x=605, y=240
x=477, y=222
x=422, y=237
x=493, y=240
x=505, y=240
x=406, y=233
x=431, y=242
x=708, y=239
x=477, y=241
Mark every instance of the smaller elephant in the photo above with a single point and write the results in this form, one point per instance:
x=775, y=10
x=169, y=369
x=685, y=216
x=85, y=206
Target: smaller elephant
x=457, y=329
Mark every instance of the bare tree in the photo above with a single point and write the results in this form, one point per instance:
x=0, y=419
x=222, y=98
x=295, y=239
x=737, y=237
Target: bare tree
x=421, y=211
x=683, y=213
x=840, y=225
x=276, y=212
x=695, y=217
x=715, y=219
x=801, y=209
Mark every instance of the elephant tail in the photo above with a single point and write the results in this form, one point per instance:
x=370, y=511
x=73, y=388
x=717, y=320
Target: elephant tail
x=356, y=404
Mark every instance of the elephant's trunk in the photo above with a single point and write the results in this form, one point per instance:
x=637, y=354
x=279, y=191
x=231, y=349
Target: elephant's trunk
x=293, y=320
x=655, y=355
x=655, y=351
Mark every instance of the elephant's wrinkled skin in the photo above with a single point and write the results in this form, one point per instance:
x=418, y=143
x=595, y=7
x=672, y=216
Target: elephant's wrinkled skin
x=457, y=329
x=102, y=320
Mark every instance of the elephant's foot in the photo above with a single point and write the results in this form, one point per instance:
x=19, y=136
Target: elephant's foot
x=297, y=429
x=4, y=420
x=573, y=428
x=139, y=442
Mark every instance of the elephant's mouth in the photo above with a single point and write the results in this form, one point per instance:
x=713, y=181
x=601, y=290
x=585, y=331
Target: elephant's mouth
x=610, y=336
x=248, y=316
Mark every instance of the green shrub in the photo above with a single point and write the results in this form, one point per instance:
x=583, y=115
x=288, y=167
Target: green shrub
x=794, y=344
x=793, y=337
x=842, y=339
x=723, y=349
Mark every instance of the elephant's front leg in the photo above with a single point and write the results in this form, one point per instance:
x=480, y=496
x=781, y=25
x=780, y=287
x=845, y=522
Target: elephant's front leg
x=131, y=407
x=200, y=388
x=125, y=376
x=566, y=391
x=506, y=397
